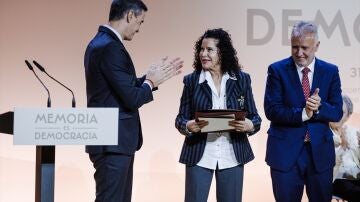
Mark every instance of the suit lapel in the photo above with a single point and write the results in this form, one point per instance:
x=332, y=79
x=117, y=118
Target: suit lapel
x=205, y=88
x=236, y=89
x=233, y=88
x=294, y=78
x=202, y=96
x=317, y=76
x=231, y=84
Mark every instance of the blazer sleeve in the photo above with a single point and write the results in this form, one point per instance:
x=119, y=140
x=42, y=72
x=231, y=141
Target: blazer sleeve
x=251, y=107
x=185, y=110
x=141, y=81
x=274, y=106
x=119, y=73
x=331, y=106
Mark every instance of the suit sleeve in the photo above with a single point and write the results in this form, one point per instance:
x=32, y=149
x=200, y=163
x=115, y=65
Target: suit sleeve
x=252, y=111
x=141, y=80
x=275, y=109
x=185, y=111
x=331, y=107
x=116, y=67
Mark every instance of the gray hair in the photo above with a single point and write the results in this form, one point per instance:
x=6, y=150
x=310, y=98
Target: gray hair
x=301, y=28
x=348, y=103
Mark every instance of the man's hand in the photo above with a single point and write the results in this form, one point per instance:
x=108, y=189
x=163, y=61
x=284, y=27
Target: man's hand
x=159, y=73
x=313, y=103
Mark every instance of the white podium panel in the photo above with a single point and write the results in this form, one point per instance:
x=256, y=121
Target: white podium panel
x=66, y=126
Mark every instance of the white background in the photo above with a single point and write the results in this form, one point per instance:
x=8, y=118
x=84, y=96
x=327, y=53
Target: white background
x=56, y=33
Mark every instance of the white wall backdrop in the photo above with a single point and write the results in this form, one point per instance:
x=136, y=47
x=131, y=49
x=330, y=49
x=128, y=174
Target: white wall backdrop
x=56, y=33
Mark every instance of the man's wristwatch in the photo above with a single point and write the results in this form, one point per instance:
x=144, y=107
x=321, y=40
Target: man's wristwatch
x=315, y=113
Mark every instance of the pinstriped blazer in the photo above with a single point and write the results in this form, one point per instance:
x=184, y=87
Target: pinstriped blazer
x=197, y=96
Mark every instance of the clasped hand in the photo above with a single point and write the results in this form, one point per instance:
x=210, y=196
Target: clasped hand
x=313, y=103
x=159, y=73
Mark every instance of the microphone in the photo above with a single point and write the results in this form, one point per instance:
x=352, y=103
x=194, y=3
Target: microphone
x=43, y=70
x=32, y=69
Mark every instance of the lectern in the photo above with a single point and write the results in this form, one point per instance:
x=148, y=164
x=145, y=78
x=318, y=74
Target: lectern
x=45, y=162
x=47, y=127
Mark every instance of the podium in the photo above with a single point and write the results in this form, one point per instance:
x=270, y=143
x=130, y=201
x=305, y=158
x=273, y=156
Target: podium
x=104, y=126
x=45, y=162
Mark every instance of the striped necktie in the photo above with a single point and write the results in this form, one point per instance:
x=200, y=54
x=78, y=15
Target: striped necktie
x=306, y=88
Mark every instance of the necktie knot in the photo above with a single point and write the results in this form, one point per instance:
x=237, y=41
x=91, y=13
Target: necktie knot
x=306, y=70
x=305, y=82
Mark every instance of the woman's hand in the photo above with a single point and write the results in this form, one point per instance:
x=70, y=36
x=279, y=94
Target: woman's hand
x=196, y=126
x=242, y=126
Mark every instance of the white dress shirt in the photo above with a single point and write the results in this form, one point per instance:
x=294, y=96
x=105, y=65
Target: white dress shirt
x=219, y=149
x=310, y=76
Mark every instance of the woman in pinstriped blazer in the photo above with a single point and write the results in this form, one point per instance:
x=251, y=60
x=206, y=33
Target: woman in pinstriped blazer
x=216, y=83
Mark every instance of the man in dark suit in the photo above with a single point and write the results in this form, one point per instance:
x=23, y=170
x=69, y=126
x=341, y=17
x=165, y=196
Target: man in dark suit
x=111, y=82
x=303, y=94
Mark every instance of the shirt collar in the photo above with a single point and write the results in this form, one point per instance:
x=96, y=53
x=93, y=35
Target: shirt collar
x=310, y=66
x=115, y=32
x=205, y=75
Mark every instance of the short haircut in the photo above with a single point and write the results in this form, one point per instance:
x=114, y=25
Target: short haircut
x=348, y=103
x=302, y=28
x=119, y=8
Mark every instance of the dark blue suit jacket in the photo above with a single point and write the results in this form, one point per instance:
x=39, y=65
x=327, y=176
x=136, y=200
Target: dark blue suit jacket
x=284, y=102
x=111, y=82
x=196, y=97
